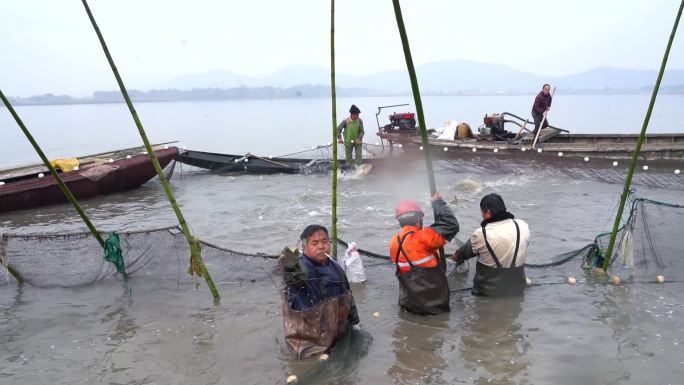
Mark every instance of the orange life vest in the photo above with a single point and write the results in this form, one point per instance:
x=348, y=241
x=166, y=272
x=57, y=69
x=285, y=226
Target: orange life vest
x=421, y=247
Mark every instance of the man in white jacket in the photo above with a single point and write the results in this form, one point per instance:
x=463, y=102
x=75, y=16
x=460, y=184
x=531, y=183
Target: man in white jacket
x=500, y=245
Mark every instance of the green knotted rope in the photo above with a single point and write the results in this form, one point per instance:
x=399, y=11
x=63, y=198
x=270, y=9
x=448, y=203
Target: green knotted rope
x=113, y=254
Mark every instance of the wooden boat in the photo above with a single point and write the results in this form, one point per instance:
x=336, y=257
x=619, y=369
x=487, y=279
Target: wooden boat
x=552, y=141
x=32, y=186
x=253, y=164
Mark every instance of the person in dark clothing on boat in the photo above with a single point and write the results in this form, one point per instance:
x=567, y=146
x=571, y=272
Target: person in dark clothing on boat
x=423, y=288
x=500, y=245
x=318, y=306
x=353, y=136
x=541, y=107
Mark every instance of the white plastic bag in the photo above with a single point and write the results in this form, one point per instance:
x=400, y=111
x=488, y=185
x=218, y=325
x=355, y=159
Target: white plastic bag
x=353, y=265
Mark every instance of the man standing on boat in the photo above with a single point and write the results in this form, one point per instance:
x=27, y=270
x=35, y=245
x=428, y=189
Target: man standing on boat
x=423, y=287
x=541, y=107
x=353, y=135
x=500, y=245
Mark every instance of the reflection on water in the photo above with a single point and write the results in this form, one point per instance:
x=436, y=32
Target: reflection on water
x=418, y=343
x=492, y=341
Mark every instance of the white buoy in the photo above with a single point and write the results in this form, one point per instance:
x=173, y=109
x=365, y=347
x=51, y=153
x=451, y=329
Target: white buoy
x=586, y=158
x=677, y=172
x=291, y=379
x=523, y=149
x=528, y=281
x=615, y=280
x=144, y=152
x=41, y=175
x=645, y=168
x=400, y=145
x=539, y=150
x=76, y=168
x=420, y=148
x=474, y=149
x=323, y=357
x=236, y=160
x=560, y=154
x=376, y=314
x=660, y=279
x=615, y=163
x=2, y=183
x=572, y=280
x=446, y=148
x=166, y=147
x=111, y=161
x=496, y=150
x=128, y=157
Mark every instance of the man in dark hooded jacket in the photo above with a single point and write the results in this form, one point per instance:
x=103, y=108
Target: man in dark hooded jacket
x=541, y=107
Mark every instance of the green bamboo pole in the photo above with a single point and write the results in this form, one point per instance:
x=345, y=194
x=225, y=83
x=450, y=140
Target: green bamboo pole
x=635, y=156
x=334, y=129
x=197, y=266
x=53, y=172
x=419, y=107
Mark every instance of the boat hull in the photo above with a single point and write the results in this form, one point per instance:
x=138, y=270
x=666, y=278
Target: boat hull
x=89, y=181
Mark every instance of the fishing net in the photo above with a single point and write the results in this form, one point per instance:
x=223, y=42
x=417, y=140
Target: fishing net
x=647, y=245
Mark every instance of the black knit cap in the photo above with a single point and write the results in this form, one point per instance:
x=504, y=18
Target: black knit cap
x=354, y=110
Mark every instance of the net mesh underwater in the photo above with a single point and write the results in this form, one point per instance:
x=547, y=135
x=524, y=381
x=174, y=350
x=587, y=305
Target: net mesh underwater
x=647, y=245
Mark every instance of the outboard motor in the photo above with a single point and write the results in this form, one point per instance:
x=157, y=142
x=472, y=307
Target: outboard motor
x=404, y=122
x=494, y=126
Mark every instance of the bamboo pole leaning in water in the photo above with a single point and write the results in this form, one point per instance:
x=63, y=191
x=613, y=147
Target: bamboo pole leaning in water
x=334, y=130
x=62, y=186
x=635, y=156
x=197, y=267
x=419, y=107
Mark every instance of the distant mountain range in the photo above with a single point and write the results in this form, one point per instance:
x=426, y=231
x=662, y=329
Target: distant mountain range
x=459, y=77
x=449, y=77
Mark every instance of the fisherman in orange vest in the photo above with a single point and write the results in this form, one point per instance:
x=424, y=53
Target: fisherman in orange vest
x=415, y=251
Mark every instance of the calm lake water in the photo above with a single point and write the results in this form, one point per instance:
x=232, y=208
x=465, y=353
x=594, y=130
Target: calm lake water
x=168, y=332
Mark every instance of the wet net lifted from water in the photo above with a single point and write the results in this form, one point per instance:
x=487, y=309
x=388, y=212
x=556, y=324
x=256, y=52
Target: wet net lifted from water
x=648, y=245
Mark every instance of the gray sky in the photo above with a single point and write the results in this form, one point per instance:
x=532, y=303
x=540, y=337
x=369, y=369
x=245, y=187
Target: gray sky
x=49, y=45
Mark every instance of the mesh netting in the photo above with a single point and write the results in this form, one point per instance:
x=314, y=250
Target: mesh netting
x=648, y=244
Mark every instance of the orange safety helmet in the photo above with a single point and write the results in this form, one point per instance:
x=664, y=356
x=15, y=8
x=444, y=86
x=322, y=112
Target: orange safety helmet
x=408, y=206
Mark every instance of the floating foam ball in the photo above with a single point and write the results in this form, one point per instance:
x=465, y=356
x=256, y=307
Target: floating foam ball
x=111, y=161
x=474, y=149
x=496, y=150
x=523, y=149
x=166, y=147
x=539, y=150
x=615, y=280
x=446, y=148
x=660, y=279
x=292, y=379
x=420, y=148
x=528, y=281
x=2, y=183
x=615, y=163
x=572, y=280
x=76, y=168
x=560, y=154
x=677, y=172
x=400, y=145
x=586, y=158
x=41, y=175
x=236, y=160
x=145, y=152
x=128, y=157
x=376, y=314
x=323, y=357
x=645, y=168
